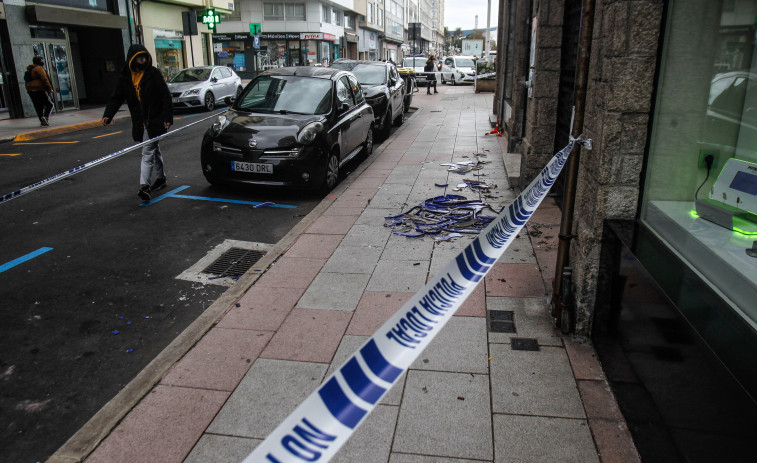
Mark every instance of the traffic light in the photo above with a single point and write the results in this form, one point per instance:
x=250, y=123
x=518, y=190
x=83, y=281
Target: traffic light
x=210, y=18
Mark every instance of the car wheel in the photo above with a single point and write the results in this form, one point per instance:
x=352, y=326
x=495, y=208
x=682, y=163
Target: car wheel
x=443, y=81
x=210, y=101
x=454, y=80
x=387, y=125
x=368, y=143
x=332, y=173
x=400, y=117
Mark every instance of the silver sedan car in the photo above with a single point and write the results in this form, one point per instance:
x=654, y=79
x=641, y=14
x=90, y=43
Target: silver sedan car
x=204, y=86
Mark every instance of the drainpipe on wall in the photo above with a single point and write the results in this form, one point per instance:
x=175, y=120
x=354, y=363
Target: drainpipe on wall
x=563, y=308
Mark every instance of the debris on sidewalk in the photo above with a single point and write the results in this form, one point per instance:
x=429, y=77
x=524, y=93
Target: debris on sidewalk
x=445, y=217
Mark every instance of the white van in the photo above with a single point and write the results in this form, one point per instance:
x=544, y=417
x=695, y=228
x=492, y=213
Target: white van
x=459, y=69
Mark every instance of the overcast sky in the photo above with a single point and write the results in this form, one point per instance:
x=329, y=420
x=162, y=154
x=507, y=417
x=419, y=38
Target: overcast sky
x=462, y=14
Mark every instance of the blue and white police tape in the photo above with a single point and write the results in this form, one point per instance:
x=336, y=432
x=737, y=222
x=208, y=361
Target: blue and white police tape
x=27, y=189
x=319, y=426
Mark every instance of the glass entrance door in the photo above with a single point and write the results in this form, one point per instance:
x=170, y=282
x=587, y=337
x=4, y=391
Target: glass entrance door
x=58, y=66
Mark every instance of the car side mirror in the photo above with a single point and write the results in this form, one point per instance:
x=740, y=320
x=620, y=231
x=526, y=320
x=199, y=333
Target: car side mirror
x=229, y=99
x=213, y=79
x=343, y=108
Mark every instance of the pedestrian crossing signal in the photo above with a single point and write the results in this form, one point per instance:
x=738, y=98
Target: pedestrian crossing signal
x=210, y=18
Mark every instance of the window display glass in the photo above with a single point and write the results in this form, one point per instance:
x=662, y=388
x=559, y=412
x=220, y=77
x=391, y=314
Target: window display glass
x=700, y=185
x=169, y=57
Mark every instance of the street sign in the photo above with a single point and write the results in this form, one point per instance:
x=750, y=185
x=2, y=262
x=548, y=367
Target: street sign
x=210, y=18
x=255, y=29
x=255, y=41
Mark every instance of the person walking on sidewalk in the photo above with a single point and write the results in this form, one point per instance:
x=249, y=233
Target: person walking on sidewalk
x=431, y=79
x=38, y=86
x=145, y=91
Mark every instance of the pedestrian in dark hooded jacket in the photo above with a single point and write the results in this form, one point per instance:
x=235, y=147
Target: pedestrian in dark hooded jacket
x=146, y=94
x=39, y=90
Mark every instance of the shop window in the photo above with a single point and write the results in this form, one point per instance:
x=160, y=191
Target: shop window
x=273, y=11
x=169, y=57
x=706, y=110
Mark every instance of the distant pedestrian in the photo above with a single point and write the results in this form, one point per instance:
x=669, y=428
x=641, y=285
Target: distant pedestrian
x=38, y=86
x=430, y=67
x=145, y=91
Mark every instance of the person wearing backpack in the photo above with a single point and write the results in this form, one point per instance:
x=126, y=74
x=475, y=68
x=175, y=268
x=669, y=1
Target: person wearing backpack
x=38, y=87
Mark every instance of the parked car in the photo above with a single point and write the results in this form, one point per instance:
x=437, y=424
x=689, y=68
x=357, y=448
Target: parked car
x=384, y=90
x=204, y=86
x=291, y=127
x=418, y=63
x=459, y=69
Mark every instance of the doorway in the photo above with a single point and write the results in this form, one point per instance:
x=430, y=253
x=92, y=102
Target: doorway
x=57, y=56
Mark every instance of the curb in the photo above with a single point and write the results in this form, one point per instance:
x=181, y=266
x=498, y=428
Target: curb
x=79, y=446
x=36, y=135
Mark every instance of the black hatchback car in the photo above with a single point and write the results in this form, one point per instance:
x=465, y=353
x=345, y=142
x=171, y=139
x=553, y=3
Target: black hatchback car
x=384, y=90
x=291, y=127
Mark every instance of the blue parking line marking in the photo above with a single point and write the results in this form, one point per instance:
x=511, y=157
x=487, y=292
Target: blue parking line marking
x=23, y=259
x=173, y=194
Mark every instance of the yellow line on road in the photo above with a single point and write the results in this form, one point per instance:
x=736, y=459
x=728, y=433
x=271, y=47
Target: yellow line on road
x=108, y=134
x=10, y=154
x=47, y=143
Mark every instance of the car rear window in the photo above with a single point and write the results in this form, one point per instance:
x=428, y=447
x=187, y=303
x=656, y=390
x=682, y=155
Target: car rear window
x=191, y=75
x=414, y=62
x=287, y=94
x=369, y=74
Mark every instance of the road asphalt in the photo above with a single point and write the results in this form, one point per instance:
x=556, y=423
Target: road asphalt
x=473, y=395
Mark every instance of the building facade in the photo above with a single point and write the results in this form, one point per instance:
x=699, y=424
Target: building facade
x=663, y=286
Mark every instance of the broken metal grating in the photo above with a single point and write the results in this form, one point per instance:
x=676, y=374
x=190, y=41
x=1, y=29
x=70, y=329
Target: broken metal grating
x=234, y=262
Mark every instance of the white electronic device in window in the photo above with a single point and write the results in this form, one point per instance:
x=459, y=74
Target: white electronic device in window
x=733, y=198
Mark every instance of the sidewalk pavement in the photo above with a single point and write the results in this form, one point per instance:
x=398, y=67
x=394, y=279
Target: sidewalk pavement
x=268, y=342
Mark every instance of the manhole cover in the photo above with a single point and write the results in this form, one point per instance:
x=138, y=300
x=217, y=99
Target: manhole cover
x=501, y=321
x=234, y=262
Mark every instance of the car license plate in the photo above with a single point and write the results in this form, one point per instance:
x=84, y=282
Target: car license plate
x=176, y=100
x=253, y=167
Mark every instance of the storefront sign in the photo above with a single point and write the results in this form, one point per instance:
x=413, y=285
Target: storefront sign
x=317, y=36
x=167, y=34
x=279, y=35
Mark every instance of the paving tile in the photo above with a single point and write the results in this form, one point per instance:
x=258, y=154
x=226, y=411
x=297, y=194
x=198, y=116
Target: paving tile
x=374, y=216
x=308, y=335
x=532, y=320
x=538, y=438
x=262, y=308
x=221, y=449
x=163, y=427
x=350, y=345
x=372, y=441
x=398, y=276
x=334, y=291
x=529, y=383
x=547, y=213
x=475, y=304
x=373, y=181
x=403, y=248
x=519, y=252
x=314, y=246
x=219, y=360
x=411, y=458
x=348, y=200
x=342, y=210
x=599, y=401
x=353, y=259
x=260, y=403
x=290, y=272
x=583, y=359
x=390, y=200
x=374, y=309
x=514, y=280
x=614, y=442
x=367, y=235
x=445, y=415
x=459, y=347
x=338, y=225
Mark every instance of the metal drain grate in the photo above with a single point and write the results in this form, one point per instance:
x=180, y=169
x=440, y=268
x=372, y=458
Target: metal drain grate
x=524, y=344
x=501, y=321
x=234, y=262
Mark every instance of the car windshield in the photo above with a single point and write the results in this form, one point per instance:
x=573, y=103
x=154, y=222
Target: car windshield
x=464, y=63
x=287, y=94
x=414, y=62
x=191, y=75
x=369, y=74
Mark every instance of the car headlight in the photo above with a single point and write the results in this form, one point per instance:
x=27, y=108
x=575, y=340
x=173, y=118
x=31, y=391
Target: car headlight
x=194, y=91
x=220, y=123
x=377, y=99
x=308, y=133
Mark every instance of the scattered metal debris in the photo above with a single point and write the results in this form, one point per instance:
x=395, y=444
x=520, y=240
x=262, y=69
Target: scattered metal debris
x=442, y=216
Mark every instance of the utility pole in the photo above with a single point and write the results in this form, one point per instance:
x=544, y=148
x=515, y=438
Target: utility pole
x=488, y=27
